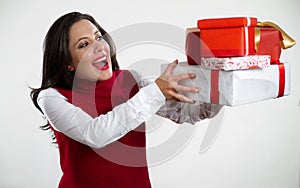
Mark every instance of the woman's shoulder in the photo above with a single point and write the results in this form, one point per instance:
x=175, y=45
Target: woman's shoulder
x=50, y=92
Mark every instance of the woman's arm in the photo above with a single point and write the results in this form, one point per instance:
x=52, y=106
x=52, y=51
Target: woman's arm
x=104, y=129
x=178, y=107
x=181, y=112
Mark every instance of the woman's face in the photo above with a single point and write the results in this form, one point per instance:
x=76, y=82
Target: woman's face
x=90, y=54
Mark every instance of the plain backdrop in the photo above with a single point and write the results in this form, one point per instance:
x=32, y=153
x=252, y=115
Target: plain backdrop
x=255, y=145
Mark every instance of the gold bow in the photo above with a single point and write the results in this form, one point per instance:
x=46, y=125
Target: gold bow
x=287, y=41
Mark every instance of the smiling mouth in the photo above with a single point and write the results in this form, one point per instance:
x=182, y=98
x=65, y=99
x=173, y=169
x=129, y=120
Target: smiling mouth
x=101, y=63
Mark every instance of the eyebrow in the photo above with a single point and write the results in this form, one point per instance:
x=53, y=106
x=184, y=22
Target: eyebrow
x=96, y=32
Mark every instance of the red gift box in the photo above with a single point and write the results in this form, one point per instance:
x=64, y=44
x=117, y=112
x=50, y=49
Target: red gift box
x=267, y=41
x=192, y=47
x=266, y=38
x=227, y=37
x=215, y=23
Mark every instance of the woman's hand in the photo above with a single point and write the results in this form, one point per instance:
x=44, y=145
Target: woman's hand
x=168, y=84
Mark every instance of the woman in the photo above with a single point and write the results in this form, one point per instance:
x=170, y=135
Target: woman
x=95, y=109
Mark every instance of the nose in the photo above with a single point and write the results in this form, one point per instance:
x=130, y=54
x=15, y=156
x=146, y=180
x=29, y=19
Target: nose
x=98, y=46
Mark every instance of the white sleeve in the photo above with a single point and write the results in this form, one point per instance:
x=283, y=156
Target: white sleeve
x=181, y=112
x=104, y=129
x=142, y=81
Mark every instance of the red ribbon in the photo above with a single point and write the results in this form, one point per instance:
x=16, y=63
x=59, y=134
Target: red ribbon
x=281, y=80
x=214, y=86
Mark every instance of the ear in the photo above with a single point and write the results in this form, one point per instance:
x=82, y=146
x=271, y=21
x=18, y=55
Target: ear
x=70, y=68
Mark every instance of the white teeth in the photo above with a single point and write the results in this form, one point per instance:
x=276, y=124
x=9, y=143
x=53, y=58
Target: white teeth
x=102, y=60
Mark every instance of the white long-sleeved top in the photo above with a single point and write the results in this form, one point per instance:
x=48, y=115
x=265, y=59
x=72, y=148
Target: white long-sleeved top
x=106, y=128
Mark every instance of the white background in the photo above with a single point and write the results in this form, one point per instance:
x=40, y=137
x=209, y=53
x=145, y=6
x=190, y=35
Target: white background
x=258, y=145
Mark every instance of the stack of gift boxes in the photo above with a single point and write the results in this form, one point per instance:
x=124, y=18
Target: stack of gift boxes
x=236, y=60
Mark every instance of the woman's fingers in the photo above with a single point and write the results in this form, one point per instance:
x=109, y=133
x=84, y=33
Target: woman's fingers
x=170, y=87
x=179, y=97
x=179, y=77
x=186, y=99
x=171, y=67
x=181, y=88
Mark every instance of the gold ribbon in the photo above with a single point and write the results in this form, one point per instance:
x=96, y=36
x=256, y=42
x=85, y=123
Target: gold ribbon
x=257, y=37
x=287, y=41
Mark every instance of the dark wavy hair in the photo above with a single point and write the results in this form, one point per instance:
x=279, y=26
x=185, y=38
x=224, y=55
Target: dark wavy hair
x=57, y=56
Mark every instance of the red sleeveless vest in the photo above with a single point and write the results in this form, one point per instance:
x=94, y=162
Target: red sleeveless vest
x=120, y=164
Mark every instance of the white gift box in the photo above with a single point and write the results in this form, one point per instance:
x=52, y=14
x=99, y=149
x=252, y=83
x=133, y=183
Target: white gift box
x=237, y=87
x=236, y=63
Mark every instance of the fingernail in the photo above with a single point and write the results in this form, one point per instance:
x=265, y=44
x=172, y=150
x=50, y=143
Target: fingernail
x=192, y=75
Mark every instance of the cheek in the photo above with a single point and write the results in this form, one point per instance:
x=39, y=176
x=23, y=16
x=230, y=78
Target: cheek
x=81, y=58
x=107, y=48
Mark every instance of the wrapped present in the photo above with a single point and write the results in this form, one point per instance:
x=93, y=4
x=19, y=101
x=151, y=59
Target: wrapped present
x=216, y=23
x=192, y=46
x=227, y=37
x=267, y=41
x=235, y=63
x=270, y=39
x=238, y=87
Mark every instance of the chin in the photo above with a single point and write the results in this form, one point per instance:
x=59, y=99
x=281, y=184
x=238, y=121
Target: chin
x=105, y=76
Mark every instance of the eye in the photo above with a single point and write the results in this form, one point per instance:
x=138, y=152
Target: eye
x=99, y=38
x=84, y=44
